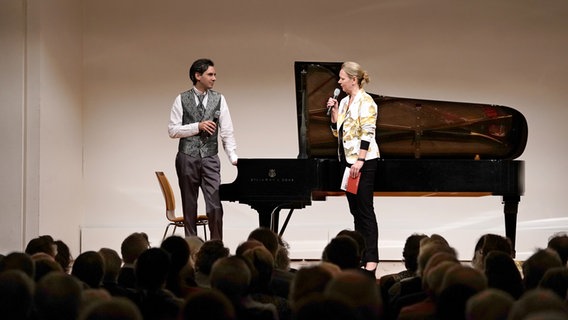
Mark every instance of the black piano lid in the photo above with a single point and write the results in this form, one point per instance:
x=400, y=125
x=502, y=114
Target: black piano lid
x=408, y=128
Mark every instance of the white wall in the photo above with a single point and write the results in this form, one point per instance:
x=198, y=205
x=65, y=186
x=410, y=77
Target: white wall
x=135, y=57
x=41, y=116
x=12, y=33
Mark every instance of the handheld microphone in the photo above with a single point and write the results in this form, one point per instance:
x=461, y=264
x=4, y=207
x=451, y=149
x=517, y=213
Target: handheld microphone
x=216, y=116
x=215, y=119
x=335, y=95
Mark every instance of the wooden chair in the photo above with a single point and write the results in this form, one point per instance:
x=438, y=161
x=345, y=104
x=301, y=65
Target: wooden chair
x=171, y=208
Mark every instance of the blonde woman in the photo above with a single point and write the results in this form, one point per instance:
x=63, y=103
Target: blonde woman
x=353, y=122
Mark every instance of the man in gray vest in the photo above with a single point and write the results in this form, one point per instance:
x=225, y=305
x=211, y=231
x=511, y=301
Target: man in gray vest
x=198, y=117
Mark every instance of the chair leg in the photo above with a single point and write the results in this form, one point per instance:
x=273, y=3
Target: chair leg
x=167, y=228
x=205, y=231
x=166, y=231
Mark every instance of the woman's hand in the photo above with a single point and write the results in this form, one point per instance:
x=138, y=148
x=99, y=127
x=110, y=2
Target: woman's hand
x=332, y=107
x=356, y=169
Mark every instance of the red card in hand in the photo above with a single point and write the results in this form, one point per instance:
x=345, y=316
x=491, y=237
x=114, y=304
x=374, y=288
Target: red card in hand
x=353, y=184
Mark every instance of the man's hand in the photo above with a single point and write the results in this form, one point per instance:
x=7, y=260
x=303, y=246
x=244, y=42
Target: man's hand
x=207, y=126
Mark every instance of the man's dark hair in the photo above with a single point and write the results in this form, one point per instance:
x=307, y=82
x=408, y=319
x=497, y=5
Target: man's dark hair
x=199, y=66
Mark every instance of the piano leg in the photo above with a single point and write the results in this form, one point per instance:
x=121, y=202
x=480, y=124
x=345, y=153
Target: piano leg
x=269, y=217
x=264, y=215
x=511, y=207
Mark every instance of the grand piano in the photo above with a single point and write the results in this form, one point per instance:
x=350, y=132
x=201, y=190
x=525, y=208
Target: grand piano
x=428, y=148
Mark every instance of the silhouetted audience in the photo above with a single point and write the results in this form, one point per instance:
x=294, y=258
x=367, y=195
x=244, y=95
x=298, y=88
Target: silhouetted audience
x=262, y=264
x=44, y=264
x=556, y=280
x=310, y=280
x=153, y=300
x=57, y=296
x=179, y=252
x=112, y=265
x=211, y=251
x=359, y=291
x=16, y=295
x=487, y=243
x=434, y=284
x=89, y=268
x=559, y=243
x=359, y=239
x=536, y=266
x=489, y=304
x=410, y=259
x=281, y=278
x=319, y=306
x=541, y=302
x=42, y=244
x=410, y=290
x=502, y=273
x=342, y=251
x=195, y=243
x=63, y=255
x=208, y=304
x=130, y=249
x=115, y=308
x=18, y=261
x=232, y=276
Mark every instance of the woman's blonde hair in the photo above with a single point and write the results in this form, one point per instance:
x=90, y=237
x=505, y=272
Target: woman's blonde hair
x=353, y=69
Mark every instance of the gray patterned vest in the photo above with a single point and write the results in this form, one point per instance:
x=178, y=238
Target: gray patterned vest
x=201, y=145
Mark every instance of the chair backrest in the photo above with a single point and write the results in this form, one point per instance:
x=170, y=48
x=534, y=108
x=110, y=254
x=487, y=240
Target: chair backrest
x=168, y=195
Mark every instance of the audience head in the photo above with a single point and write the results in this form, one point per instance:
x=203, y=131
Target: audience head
x=559, y=243
x=537, y=264
x=89, y=268
x=459, y=284
x=556, y=280
x=489, y=304
x=487, y=243
x=246, y=245
x=232, y=276
x=318, y=306
x=357, y=236
x=309, y=280
x=179, y=252
x=133, y=245
x=152, y=268
x=468, y=276
x=63, y=256
x=112, y=264
x=410, y=251
x=536, y=301
x=16, y=294
x=263, y=263
x=502, y=273
x=433, y=277
x=359, y=291
x=429, y=247
x=91, y=296
x=208, y=305
x=58, y=296
x=44, y=264
x=42, y=244
x=19, y=261
x=342, y=251
x=210, y=251
x=267, y=237
x=115, y=308
x=282, y=259
x=195, y=243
